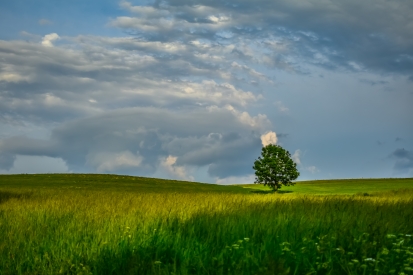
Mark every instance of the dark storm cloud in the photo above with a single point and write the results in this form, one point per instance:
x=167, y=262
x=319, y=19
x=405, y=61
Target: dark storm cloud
x=7, y=160
x=10, y=147
x=138, y=139
x=374, y=83
x=352, y=34
x=223, y=169
x=404, y=160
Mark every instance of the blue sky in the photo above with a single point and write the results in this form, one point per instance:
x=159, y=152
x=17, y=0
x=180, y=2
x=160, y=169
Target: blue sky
x=192, y=90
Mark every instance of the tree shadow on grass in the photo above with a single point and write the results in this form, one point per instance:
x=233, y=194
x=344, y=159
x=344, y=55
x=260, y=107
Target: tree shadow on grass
x=7, y=195
x=270, y=192
x=284, y=191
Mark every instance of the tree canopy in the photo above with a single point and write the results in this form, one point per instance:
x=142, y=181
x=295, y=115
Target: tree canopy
x=275, y=167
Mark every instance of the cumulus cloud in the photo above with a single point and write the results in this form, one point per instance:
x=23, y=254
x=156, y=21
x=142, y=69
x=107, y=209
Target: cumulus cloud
x=36, y=164
x=110, y=162
x=49, y=38
x=268, y=138
x=178, y=172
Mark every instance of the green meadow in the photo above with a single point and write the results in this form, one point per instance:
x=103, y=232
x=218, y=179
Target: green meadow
x=341, y=187
x=110, y=224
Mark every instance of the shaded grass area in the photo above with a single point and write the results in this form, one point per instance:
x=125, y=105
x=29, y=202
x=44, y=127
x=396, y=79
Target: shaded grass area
x=112, y=183
x=343, y=187
x=115, y=230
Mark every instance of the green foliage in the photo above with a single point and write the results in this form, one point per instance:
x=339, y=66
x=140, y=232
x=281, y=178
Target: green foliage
x=275, y=168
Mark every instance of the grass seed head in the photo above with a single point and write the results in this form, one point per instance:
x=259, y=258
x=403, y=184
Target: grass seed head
x=369, y=260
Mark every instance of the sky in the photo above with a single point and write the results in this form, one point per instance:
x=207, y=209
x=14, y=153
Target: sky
x=193, y=89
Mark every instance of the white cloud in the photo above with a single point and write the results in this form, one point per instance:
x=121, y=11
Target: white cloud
x=268, y=138
x=219, y=18
x=97, y=68
x=49, y=38
x=180, y=20
x=357, y=67
x=296, y=157
x=281, y=108
x=260, y=121
x=35, y=164
x=209, y=90
x=110, y=162
x=162, y=20
x=312, y=169
x=50, y=99
x=168, y=164
x=12, y=77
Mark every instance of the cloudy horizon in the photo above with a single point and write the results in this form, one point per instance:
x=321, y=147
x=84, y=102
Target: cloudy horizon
x=192, y=90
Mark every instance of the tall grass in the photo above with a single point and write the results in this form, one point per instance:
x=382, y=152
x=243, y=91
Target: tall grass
x=79, y=231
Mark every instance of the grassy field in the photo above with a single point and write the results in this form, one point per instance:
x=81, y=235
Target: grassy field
x=108, y=224
x=109, y=183
x=340, y=187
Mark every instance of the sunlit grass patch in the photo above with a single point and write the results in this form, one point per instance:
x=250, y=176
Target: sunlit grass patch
x=340, y=187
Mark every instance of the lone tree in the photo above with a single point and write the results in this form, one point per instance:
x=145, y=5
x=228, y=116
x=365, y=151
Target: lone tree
x=275, y=168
